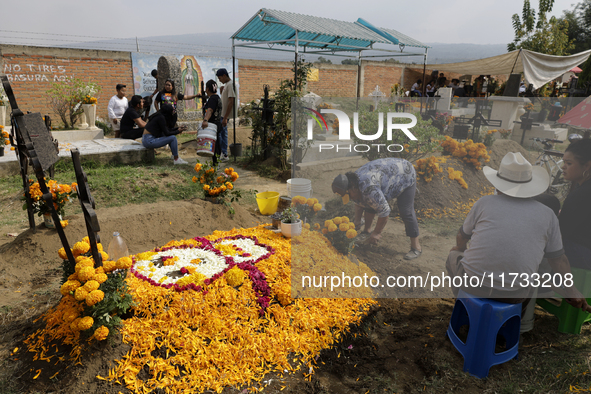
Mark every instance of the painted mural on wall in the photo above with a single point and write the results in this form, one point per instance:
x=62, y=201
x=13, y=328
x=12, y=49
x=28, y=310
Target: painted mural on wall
x=194, y=69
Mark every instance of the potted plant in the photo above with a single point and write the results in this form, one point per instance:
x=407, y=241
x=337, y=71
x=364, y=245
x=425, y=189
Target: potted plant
x=61, y=194
x=291, y=225
x=218, y=189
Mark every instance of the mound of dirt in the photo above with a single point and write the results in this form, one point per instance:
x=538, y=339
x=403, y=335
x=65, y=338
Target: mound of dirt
x=31, y=257
x=444, y=197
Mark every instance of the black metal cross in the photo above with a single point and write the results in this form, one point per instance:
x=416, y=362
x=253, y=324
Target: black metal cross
x=477, y=121
x=526, y=124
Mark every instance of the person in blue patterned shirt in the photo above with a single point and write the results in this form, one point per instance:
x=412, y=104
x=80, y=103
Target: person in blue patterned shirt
x=371, y=187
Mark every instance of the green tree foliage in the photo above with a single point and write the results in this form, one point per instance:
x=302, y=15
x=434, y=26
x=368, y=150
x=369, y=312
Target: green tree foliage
x=65, y=99
x=323, y=60
x=353, y=62
x=540, y=34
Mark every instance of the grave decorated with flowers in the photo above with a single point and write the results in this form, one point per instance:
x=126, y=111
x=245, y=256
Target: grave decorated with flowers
x=198, y=314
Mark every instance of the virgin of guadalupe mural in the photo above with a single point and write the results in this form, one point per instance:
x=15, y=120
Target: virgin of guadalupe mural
x=191, y=81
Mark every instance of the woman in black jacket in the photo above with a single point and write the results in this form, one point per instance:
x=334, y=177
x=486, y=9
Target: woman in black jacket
x=212, y=114
x=157, y=132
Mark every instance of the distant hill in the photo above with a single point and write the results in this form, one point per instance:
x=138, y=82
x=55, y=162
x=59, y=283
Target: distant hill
x=220, y=45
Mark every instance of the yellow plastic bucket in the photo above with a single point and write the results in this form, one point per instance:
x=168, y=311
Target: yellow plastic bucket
x=267, y=202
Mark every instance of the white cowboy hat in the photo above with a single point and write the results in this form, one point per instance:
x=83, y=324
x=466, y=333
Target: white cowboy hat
x=517, y=177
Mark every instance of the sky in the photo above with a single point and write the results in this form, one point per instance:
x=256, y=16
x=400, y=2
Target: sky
x=429, y=21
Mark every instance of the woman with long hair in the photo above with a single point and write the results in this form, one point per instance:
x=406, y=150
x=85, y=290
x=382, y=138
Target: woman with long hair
x=170, y=96
x=575, y=215
x=212, y=112
x=157, y=132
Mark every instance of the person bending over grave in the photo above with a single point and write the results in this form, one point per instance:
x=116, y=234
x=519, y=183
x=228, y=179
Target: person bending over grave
x=509, y=234
x=116, y=107
x=415, y=89
x=158, y=132
x=170, y=96
x=371, y=187
x=132, y=124
x=575, y=216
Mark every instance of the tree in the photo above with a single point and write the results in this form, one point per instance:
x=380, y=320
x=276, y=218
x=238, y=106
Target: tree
x=350, y=61
x=540, y=34
x=323, y=60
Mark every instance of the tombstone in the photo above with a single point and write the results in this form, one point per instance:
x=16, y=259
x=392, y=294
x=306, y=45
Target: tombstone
x=377, y=95
x=445, y=100
x=169, y=67
x=512, y=86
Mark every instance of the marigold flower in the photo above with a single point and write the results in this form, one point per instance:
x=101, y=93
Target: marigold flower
x=94, y=297
x=235, y=276
x=100, y=278
x=62, y=254
x=85, y=323
x=316, y=226
x=332, y=228
x=229, y=186
x=80, y=248
x=74, y=276
x=337, y=220
x=109, y=266
x=206, y=187
x=124, y=263
x=85, y=273
x=317, y=207
x=234, y=176
x=344, y=219
x=101, y=333
x=344, y=226
x=80, y=294
x=69, y=317
x=220, y=179
x=307, y=226
x=198, y=167
x=104, y=255
x=194, y=179
x=351, y=233
x=68, y=286
x=91, y=285
x=327, y=223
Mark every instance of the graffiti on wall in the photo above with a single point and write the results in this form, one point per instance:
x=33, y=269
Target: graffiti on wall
x=35, y=72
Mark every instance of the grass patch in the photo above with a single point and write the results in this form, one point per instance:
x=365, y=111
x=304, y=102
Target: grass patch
x=113, y=185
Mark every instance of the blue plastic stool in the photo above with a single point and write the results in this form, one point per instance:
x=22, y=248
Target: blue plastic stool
x=485, y=319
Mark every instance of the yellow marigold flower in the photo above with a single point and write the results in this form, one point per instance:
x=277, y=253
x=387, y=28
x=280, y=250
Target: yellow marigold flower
x=80, y=248
x=94, y=297
x=198, y=167
x=337, y=220
x=86, y=239
x=104, y=255
x=86, y=262
x=99, y=270
x=145, y=255
x=317, y=207
x=79, y=258
x=333, y=227
x=100, y=278
x=80, y=294
x=206, y=187
x=91, y=285
x=75, y=325
x=124, y=263
x=85, y=273
x=99, y=246
x=235, y=276
x=324, y=230
x=351, y=233
x=229, y=171
x=74, y=276
x=316, y=226
x=220, y=179
x=222, y=188
x=229, y=186
x=68, y=286
x=194, y=179
x=62, y=254
x=64, y=223
x=101, y=333
x=344, y=226
x=85, y=323
x=310, y=202
x=234, y=176
x=196, y=278
x=344, y=219
x=307, y=226
x=327, y=223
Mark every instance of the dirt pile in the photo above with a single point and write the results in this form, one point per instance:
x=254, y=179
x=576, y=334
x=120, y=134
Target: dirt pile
x=444, y=197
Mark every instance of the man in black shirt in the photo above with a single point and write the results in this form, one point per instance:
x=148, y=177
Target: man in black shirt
x=131, y=118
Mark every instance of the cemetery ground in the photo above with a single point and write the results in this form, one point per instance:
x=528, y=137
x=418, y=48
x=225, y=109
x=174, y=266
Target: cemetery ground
x=398, y=347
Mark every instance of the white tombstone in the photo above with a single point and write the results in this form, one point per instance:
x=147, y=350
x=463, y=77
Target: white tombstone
x=507, y=109
x=311, y=99
x=444, y=102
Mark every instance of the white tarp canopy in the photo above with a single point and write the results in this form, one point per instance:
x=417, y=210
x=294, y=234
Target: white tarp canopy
x=537, y=68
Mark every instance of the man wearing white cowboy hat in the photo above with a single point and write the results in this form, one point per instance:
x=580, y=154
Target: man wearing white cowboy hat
x=509, y=234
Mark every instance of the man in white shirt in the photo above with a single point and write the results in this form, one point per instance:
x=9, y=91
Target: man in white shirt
x=117, y=107
x=228, y=108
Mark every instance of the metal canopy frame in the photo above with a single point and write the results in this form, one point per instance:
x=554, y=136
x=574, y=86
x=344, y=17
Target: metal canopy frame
x=316, y=35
